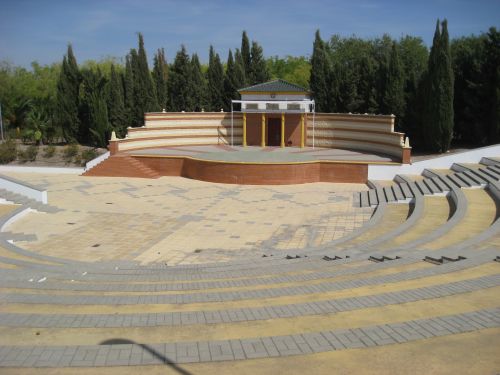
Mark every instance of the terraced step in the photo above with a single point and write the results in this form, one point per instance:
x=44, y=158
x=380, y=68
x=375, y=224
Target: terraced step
x=127, y=352
x=436, y=212
x=27, y=202
x=122, y=165
x=393, y=216
x=490, y=160
x=481, y=213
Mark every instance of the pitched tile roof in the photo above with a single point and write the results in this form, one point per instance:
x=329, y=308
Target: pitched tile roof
x=278, y=85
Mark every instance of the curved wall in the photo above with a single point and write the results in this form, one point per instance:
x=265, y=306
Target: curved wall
x=256, y=173
x=372, y=133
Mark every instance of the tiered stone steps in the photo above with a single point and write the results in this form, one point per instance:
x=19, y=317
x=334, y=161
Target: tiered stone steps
x=122, y=165
x=339, y=307
x=433, y=181
x=27, y=202
x=262, y=314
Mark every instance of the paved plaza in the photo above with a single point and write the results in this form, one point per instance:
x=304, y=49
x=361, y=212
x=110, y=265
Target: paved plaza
x=181, y=221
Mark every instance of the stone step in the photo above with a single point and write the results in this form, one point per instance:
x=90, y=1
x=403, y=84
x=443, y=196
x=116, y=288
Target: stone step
x=122, y=166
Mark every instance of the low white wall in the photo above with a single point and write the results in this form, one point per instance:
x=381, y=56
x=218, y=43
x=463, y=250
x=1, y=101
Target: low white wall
x=97, y=160
x=387, y=172
x=48, y=170
x=23, y=188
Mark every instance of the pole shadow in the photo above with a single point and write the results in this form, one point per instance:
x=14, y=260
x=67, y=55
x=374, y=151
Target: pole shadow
x=165, y=360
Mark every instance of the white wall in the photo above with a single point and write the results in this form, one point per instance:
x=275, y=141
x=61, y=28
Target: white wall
x=23, y=188
x=49, y=170
x=387, y=172
x=97, y=160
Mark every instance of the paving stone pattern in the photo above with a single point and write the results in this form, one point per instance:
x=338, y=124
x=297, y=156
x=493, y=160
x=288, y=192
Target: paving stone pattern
x=261, y=347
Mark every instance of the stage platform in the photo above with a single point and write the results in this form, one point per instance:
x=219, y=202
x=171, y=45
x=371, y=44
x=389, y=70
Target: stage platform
x=254, y=154
x=244, y=165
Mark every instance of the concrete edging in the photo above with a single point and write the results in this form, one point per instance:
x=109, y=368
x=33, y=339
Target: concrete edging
x=23, y=188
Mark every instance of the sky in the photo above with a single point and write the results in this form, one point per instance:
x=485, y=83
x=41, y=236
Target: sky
x=41, y=29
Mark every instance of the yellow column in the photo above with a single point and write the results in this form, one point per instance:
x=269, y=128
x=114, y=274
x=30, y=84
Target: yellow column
x=244, y=129
x=282, y=130
x=263, y=136
x=302, y=130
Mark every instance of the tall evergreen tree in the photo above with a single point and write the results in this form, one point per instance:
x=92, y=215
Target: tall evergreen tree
x=137, y=108
x=198, y=85
x=144, y=90
x=160, y=76
x=231, y=85
x=431, y=131
x=116, y=105
x=246, y=57
x=179, y=83
x=367, y=89
x=128, y=86
x=437, y=117
x=94, y=108
x=492, y=85
x=394, y=95
x=67, y=97
x=446, y=89
x=258, y=67
x=320, y=73
x=239, y=70
x=215, y=78
x=414, y=56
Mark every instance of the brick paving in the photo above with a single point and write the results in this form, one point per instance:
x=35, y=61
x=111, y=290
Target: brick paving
x=270, y=269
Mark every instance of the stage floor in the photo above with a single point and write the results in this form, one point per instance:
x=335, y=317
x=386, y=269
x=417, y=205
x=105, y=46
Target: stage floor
x=254, y=154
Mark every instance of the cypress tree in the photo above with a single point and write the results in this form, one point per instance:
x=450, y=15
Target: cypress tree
x=179, y=83
x=67, y=97
x=94, y=107
x=128, y=86
x=215, y=78
x=320, y=74
x=137, y=109
x=367, y=89
x=394, y=95
x=430, y=106
x=437, y=117
x=491, y=85
x=446, y=89
x=258, y=67
x=246, y=57
x=231, y=85
x=239, y=70
x=198, y=84
x=145, y=96
x=160, y=76
x=116, y=105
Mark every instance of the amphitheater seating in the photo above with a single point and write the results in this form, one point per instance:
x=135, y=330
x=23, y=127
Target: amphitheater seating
x=421, y=271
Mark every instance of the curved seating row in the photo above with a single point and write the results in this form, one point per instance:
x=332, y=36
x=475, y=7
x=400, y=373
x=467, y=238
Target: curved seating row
x=371, y=290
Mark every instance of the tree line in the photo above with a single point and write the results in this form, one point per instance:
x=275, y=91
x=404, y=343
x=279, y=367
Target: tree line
x=450, y=93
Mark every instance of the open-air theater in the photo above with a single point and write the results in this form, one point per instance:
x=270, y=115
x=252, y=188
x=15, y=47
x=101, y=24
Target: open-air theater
x=272, y=136
x=391, y=269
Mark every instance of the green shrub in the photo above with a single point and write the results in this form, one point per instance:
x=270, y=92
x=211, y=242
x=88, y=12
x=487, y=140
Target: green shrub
x=29, y=154
x=8, y=151
x=87, y=155
x=69, y=152
x=27, y=136
x=49, y=151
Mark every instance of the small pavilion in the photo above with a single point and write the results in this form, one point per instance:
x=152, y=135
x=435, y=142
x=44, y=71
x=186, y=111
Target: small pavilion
x=274, y=114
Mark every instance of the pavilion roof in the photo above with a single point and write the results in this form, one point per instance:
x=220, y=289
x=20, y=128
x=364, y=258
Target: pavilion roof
x=277, y=85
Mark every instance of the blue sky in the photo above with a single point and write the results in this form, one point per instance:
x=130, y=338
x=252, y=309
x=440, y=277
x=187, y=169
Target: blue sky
x=41, y=29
